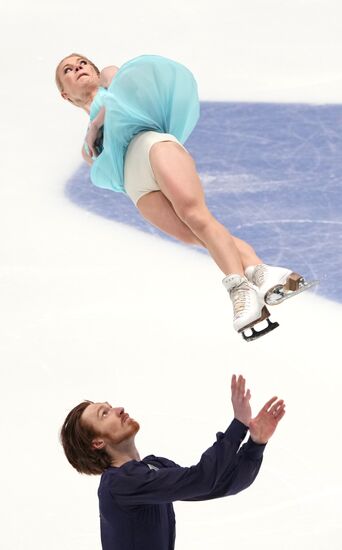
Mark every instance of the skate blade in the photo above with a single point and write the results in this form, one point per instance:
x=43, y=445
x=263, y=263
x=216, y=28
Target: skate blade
x=255, y=334
x=249, y=333
x=280, y=293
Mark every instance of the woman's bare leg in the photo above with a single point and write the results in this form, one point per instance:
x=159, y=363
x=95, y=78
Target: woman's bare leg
x=247, y=253
x=158, y=210
x=175, y=172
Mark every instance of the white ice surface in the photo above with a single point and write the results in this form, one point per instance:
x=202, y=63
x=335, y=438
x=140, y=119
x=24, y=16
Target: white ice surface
x=93, y=309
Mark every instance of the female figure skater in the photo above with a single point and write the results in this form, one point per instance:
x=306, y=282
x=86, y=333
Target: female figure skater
x=140, y=115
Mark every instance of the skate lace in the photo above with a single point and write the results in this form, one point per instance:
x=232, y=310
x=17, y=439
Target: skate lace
x=259, y=275
x=241, y=299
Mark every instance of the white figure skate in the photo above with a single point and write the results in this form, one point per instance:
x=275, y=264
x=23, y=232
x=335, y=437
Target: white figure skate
x=276, y=284
x=249, y=310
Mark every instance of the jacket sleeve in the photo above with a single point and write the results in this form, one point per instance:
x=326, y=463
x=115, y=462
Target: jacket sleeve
x=240, y=474
x=209, y=478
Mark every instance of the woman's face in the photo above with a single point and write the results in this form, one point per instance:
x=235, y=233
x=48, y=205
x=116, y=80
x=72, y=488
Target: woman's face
x=77, y=77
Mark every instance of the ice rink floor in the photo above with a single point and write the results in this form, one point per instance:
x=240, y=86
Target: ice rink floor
x=95, y=305
x=272, y=174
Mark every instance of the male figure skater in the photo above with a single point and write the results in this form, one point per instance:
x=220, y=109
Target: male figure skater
x=136, y=495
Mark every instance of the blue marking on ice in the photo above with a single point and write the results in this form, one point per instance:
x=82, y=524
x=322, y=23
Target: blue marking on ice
x=272, y=174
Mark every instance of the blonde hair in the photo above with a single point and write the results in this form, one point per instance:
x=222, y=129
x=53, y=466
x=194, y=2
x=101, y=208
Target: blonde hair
x=58, y=80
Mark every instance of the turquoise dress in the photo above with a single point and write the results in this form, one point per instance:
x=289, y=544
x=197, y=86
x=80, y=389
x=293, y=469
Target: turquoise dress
x=147, y=93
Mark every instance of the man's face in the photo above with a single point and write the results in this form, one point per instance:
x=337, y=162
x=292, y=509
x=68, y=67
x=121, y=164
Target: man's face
x=76, y=74
x=111, y=424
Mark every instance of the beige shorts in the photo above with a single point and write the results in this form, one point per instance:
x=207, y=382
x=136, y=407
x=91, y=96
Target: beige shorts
x=138, y=174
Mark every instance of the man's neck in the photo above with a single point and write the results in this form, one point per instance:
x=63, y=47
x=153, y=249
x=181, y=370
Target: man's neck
x=125, y=453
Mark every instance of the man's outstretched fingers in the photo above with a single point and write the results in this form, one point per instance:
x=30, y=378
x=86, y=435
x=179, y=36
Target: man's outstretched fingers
x=278, y=410
x=280, y=414
x=242, y=383
x=269, y=403
x=276, y=406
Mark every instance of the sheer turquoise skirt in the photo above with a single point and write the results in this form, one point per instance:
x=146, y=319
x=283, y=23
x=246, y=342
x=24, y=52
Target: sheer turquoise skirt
x=147, y=93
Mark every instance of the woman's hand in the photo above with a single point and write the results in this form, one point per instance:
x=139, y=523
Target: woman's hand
x=86, y=157
x=93, y=131
x=240, y=400
x=90, y=139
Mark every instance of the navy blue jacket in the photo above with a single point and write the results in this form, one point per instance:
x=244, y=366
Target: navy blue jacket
x=135, y=499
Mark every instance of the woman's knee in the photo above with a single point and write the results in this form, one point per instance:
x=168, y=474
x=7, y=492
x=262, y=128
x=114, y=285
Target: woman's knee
x=196, y=216
x=156, y=209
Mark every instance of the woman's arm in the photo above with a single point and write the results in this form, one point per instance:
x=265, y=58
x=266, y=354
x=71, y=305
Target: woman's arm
x=93, y=130
x=107, y=74
x=86, y=157
x=98, y=121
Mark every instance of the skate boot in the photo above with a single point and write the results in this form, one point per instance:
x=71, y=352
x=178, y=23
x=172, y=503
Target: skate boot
x=276, y=284
x=248, y=309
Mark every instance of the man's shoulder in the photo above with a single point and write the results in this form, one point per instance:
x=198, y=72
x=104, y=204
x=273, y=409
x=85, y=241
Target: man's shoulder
x=113, y=476
x=159, y=461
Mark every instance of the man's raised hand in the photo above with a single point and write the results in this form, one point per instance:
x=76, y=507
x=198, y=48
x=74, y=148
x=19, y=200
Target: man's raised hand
x=262, y=427
x=240, y=400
